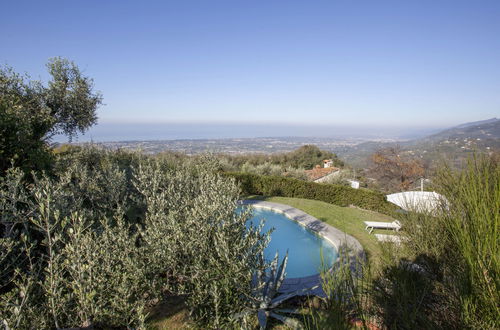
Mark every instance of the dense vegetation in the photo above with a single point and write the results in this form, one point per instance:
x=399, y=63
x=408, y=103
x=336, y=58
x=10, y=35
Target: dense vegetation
x=458, y=248
x=95, y=238
x=290, y=164
x=305, y=157
x=112, y=233
x=396, y=171
x=31, y=113
x=253, y=184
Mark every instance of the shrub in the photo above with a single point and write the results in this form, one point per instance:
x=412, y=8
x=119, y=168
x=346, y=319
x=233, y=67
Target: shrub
x=266, y=299
x=252, y=184
x=196, y=239
x=80, y=265
x=446, y=275
x=71, y=256
x=264, y=169
x=471, y=221
x=346, y=286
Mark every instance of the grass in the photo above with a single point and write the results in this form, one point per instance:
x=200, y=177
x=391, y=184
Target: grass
x=347, y=219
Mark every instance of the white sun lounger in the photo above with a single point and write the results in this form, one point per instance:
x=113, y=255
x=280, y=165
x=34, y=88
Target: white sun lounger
x=370, y=225
x=390, y=238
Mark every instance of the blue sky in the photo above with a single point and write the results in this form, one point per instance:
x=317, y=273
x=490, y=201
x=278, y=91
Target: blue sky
x=390, y=63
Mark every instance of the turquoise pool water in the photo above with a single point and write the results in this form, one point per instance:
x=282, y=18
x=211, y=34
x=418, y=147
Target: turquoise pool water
x=304, y=258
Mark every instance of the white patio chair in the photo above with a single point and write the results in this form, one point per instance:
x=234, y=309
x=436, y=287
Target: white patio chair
x=370, y=225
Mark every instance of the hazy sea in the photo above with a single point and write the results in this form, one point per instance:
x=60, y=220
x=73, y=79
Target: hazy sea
x=107, y=132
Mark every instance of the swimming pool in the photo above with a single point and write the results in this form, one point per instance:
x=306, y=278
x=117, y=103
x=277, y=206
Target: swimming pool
x=304, y=247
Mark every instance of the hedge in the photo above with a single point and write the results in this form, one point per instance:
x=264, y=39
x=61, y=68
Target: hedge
x=253, y=184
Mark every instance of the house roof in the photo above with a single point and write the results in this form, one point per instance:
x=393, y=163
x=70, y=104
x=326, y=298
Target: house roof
x=319, y=172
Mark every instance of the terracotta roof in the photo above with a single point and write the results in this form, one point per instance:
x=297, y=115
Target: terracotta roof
x=317, y=173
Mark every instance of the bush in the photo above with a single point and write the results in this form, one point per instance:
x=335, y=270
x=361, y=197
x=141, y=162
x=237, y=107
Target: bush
x=73, y=255
x=252, y=184
x=264, y=169
x=197, y=240
x=305, y=157
x=446, y=275
x=471, y=220
x=77, y=262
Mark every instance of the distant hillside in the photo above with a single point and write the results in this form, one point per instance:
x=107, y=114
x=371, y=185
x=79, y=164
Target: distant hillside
x=485, y=129
x=453, y=144
x=476, y=123
x=459, y=142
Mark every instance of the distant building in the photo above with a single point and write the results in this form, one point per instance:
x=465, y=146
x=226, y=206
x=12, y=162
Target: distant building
x=354, y=184
x=319, y=174
x=327, y=163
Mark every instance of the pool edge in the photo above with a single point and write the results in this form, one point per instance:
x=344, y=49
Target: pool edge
x=339, y=239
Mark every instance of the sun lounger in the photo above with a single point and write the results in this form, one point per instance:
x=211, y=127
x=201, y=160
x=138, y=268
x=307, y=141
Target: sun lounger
x=370, y=225
x=389, y=238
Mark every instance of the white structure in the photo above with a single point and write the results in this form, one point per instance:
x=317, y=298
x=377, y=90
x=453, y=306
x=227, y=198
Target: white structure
x=418, y=201
x=371, y=225
x=354, y=184
x=327, y=163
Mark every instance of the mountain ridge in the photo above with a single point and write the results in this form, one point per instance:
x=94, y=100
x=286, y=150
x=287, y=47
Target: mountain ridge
x=486, y=121
x=454, y=144
x=486, y=129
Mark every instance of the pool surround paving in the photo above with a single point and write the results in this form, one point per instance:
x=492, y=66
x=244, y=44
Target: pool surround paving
x=337, y=238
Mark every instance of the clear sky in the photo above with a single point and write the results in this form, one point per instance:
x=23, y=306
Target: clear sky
x=373, y=62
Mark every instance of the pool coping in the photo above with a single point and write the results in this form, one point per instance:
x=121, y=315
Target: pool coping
x=339, y=239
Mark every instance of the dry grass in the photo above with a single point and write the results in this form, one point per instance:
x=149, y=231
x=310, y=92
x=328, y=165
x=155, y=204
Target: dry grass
x=170, y=314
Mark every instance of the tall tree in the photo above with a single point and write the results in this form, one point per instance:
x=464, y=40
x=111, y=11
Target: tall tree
x=31, y=113
x=396, y=169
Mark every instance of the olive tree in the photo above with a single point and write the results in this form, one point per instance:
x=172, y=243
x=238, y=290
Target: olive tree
x=75, y=255
x=31, y=112
x=196, y=239
x=71, y=257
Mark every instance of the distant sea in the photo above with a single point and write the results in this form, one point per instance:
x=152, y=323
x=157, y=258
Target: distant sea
x=107, y=132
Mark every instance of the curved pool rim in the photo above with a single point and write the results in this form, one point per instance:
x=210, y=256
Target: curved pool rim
x=337, y=238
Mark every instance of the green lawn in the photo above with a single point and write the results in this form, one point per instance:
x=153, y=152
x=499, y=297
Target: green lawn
x=347, y=219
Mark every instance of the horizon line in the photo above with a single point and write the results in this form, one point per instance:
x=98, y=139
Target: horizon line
x=272, y=123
